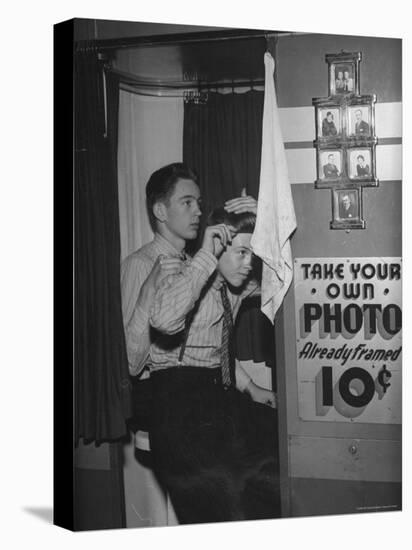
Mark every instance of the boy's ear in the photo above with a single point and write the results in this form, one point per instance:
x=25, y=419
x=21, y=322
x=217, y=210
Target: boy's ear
x=159, y=211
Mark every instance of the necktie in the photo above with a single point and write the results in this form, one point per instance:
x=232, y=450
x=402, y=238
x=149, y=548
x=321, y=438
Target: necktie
x=227, y=357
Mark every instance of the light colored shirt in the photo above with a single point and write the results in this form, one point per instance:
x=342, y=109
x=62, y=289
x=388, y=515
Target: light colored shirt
x=159, y=346
x=195, y=291
x=134, y=271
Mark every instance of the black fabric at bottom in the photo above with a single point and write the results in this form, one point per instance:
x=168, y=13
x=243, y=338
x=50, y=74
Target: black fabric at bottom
x=214, y=450
x=141, y=404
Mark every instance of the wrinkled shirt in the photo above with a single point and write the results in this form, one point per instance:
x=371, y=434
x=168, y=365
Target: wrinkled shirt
x=154, y=338
x=194, y=292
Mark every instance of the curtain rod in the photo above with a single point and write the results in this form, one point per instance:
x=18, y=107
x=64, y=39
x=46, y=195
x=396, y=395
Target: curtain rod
x=133, y=80
x=189, y=94
x=176, y=39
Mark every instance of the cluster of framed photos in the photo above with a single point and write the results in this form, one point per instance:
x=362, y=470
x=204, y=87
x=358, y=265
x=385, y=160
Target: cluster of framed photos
x=345, y=141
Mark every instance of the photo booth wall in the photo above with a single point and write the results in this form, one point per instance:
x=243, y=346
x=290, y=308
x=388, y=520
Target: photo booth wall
x=324, y=475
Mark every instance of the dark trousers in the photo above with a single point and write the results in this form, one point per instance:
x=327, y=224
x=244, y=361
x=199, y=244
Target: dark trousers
x=214, y=450
x=141, y=404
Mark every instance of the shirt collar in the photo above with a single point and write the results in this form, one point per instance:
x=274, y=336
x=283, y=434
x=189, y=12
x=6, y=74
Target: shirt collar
x=165, y=246
x=217, y=282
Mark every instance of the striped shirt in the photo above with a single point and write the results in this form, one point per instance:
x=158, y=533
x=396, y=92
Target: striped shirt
x=134, y=271
x=195, y=291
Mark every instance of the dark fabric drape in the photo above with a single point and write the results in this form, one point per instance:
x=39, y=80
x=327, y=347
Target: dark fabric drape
x=222, y=141
x=102, y=388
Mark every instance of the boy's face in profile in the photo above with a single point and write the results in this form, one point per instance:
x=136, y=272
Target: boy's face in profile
x=235, y=263
x=181, y=212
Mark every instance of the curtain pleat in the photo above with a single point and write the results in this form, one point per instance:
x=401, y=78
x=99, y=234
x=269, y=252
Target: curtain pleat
x=150, y=136
x=102, y=387
x=222, y=141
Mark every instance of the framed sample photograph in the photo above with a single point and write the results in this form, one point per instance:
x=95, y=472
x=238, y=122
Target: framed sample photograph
x=361, y=165
x=359, y=124
x=329, y=123
x=344, y=78
x=360, y=118
x=347, y=209
x=330, y=163
x=343, y=73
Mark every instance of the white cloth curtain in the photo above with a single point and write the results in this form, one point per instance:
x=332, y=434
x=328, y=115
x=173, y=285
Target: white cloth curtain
x=275, y=220
x=150, y=136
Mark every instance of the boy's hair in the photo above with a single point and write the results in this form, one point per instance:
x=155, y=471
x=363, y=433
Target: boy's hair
x=243, y=223
x=162, y=183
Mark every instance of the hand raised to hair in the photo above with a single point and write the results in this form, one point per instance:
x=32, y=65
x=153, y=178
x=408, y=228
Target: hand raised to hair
x=216, y=238
x=244, y=203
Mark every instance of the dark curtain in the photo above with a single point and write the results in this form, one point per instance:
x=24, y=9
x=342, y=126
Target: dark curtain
x=102, y=387
x=222, y=141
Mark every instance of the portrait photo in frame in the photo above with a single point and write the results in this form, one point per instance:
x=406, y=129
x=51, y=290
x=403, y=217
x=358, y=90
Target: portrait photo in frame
x=330, y=165
x=347, y=209
x=360, y=119
x=361, y=166
x=344, y=78
x=343, y=73
x=329, y=126
x=360, y=163
x=330, y=122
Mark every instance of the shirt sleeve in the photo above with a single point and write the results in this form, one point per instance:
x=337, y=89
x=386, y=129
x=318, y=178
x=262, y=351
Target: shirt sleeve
x=134, y=272
x=242, y=378
x=178, y=293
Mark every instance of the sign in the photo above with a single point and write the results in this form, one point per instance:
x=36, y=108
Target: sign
x=348, y=339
